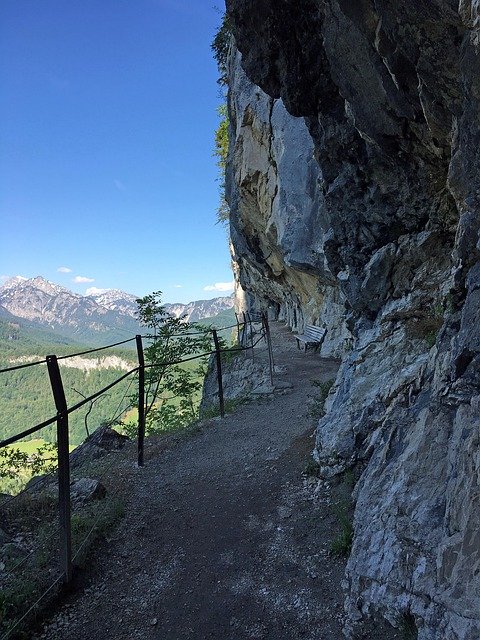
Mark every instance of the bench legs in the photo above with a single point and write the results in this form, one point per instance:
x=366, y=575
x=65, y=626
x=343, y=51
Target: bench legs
x=315, y=346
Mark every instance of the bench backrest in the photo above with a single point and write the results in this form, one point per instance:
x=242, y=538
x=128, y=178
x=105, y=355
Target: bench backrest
x=316, y=333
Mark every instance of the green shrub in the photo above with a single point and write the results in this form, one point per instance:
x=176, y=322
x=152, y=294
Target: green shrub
x=312, y=469
x=342, y=543
x=317, y=408
x=172, y=391
x=220, y=47
x=343, y=511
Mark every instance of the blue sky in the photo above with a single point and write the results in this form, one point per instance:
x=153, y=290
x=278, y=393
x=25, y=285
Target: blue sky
x=108, y=112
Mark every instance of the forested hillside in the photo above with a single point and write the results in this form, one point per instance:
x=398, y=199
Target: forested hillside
x=25, y=394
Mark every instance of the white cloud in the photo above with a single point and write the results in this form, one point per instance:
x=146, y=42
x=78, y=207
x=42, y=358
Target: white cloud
x=64, y=270
x=178, y=286
x=219, y=286
x=95, y=291
x=82, y=279
x=3, y=278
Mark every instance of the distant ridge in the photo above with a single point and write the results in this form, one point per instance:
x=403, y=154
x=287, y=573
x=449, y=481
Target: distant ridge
x=98, y=318
x=200, y=309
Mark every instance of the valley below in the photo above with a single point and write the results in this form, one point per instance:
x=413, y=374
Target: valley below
x=52, y=320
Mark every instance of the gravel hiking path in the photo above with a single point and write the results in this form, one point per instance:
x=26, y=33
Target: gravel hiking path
x=223, y=537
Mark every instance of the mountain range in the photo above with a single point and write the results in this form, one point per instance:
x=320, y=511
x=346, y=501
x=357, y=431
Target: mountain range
x=40, y=306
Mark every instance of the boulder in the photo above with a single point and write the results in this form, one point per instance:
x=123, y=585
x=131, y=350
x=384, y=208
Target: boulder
x=86, y=490
x=102, y=441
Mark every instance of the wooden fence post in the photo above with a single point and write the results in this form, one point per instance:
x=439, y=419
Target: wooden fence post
x=141, y=400
x=64, y=508
x=218, y=356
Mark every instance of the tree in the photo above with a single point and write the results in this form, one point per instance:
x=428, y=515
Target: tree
x=171, y=388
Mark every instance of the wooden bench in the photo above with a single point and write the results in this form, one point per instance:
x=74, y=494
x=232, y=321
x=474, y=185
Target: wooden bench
x=313, y=336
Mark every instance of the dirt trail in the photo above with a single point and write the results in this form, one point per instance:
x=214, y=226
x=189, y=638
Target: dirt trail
x=221, y=538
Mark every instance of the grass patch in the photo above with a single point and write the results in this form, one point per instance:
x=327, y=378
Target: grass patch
x=427, y=327
x=431, y=338
x=312, y=469
x=35, y=518
x=317, y=407
x=349, y=479
x=341, y=544
x=96, y=520
x=230, y=406
x=30, y=562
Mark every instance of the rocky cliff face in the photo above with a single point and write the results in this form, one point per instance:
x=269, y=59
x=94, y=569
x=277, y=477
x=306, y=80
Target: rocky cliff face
x=277, y=238
x=354, y=189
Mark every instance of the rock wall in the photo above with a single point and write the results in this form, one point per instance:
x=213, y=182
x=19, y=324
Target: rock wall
x=384, y=228
x=275, y=202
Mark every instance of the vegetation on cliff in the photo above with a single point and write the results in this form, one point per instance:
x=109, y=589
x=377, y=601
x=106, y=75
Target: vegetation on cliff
x=220, y=47
x=221, y=151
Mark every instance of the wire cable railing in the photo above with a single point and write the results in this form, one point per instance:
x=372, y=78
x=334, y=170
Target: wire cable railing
x=247, y=341
x=21, y=563
x=26, y=365
x=83, y=353
x=117, y=414
x=65, y=357
x=16, y=625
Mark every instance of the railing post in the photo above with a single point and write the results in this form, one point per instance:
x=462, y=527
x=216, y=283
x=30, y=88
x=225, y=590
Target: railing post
x=251, y=336
x=141, y=399
x=269, y=344
x=218, y=356
x=244, y=331
x=238, y=330
x=64, y=508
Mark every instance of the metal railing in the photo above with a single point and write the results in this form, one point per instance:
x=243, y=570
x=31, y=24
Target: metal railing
x=246, y=334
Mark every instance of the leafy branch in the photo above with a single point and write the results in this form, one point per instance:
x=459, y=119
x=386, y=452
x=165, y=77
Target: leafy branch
x=13, y=460
x=171, y=389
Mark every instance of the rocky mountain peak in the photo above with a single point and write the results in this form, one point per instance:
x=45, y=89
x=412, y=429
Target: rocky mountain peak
x=12, y=282
x=19, y=283
x=49, y=304
x=47, y=286
x=116, y=300
x=194, y=311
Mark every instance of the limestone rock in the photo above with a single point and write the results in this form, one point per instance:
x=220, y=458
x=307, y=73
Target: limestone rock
x=242, y=377
x=102, y=441
x=276, y=225
x=86, y=490
x=354, y=188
